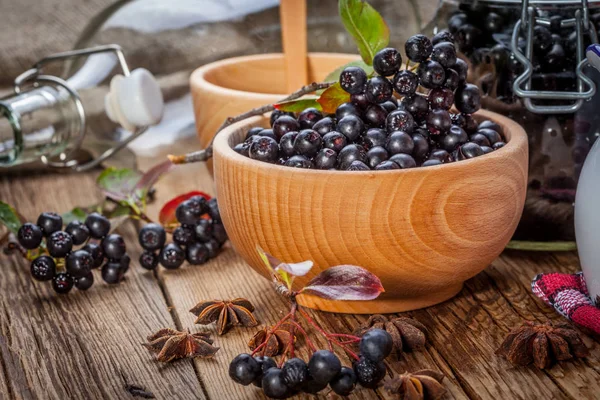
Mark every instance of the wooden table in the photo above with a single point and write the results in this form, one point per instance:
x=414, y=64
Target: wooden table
x=88, y=344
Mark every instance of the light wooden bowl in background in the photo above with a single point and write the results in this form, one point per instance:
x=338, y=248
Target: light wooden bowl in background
x=422, y=231
x=230, y=87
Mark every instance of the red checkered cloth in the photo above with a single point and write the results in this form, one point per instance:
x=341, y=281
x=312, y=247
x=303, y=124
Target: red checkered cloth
x=568, y=294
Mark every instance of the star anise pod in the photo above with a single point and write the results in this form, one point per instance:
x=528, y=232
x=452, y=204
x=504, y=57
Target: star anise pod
x=171, y=344
x=542, y=345
x=278, y=340
x=227, y=313
x=407, y=334
x=421, y=385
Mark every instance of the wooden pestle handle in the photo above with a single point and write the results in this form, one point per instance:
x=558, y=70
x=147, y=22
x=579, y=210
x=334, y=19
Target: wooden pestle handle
x=293, y=34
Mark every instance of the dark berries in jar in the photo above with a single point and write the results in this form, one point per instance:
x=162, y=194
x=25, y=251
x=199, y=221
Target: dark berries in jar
x=350, y=126
x=79, y=263
x=353, y=80
x=335, y=141
x=49, y=223
x=43, y=268
x=62, y=283
x=114, y=246
x=406, y=82
x=308, y=142
x=98, y=225
x=285, y=124
x=59, y=244
x=431, y=74
x=349, y=154
x=542, y=39
x=323, y=366
x=152, y=236
x=78, y=231
x=172, y=256
x=309, y=117
x=29, y=236
x=418, y=48
x=387, y=61
x=264, y=149
x=467, y=98
x=325, y=159
x=379, y=89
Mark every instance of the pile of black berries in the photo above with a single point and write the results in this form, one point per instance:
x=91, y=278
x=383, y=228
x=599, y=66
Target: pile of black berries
x=198, y=238
x=66, y=266
x=323, y=369
x=375, y=130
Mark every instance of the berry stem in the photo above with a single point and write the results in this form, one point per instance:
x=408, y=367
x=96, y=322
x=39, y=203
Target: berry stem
x=205, y=154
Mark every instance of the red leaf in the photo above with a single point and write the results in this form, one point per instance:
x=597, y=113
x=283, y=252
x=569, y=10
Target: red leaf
x=333, y=97
x=166, y=216
x=345, y=282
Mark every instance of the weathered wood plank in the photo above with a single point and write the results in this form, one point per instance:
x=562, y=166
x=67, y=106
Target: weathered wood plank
x=82, y=345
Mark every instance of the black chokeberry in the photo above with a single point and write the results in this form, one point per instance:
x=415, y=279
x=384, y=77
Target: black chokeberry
x=400, y=120
x=389, y=106
x=286, y=144
x=431, y=74
x=294, y=373
x=324, y=126
x=345, y=109
x=188, y=213
x=62, y=283
x=374, y=137
x=196, y=253
x=441, y=98
x=455, y=137
x=79, y=263
x=343, y=384
x=85, y=282
x=376, y=155
x=244, y=369
x=353, y=79
x=480, y=140
x=171, y=256
x=442, y=36
x=405, y=82
x=152, y=236
x=96, y=252
x=431, y=162
x=325, y=159
x=418, y=48
x=486, y=149
x=387, y=61
x=265, y=363
x=98, y=225
x=461, y=67
x=421, y=146
x=467, y=98
x=268, y=133
x=43, y=268
x=399, y=142
x=467, y=37
x=491, y=135
x=114, y=246
x=376, y=345
x=309, y=117
x=349, y=154
x=79, y=232
x=470, y=150
x=148, y=260
x=487, y=124
x=264, y=149
x=241, y=148
x=273, y=385
x=358, y=166
x=386, y=165
x=212, y=208
x=112, y=273
x=29, y=236
x=379, y=89
x=49, y=223
x=212, y=246
x=254, y=131
x=452, y=79
x=125, y=261
x=404, y=161
x=369, y=373
x=184, y=235
x=445, y=54
x=219, y=232
x=308, y=143
x=299, y=161
x=438, y=122
x=456, y=21
x=498, y=145
x=334, y=141
x=285, y=124
x=278, y=113
x=359, y=100
x=59, y=244
x=351, y=126
x=416, y=105
x=323, y=366
x=441, y=155
x=375, y=115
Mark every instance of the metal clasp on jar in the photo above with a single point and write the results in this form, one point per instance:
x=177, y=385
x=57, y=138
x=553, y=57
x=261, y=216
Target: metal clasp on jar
x=522, y=85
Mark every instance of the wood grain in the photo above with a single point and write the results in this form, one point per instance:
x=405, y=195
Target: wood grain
x=420, y=235
x=293, y=37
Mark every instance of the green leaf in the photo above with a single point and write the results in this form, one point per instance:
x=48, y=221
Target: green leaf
x=333, y=97
x=365, y=25
x=9, y=217
x=76, y=214
x=298, y=105
x=334, y=76
x=119, y=184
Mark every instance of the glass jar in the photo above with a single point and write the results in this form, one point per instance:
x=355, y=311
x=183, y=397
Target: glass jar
x=526, y=57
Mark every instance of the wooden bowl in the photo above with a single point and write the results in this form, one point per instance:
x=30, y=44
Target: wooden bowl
x=422, y=231
x=230, y=87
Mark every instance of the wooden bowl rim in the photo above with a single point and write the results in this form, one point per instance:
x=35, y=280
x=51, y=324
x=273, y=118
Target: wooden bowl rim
x=517, y=140
x=198, y=77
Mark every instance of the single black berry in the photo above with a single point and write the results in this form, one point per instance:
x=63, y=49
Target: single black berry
x=308, y=143
x=441, y=98
x=212, y=246
x=98, y=225
x=323, y=126
x=386, y=165
x=285, y=124
x=171, y=256
x=418, y=48
x=374, y=137
x=416, y=105
x=400, y=120
x=49, y=223
x=62, y=283
x=334, y=141
x=96, y=252
x=421, y=146
x=358, y=166
x=375, y=115
x=196, y=254
x=219, y=232
x=441, y=155
x=278, y=113
x=456, y=21
x=467, y=98
x=405, y=82
x=359, y=100
x=493, y=22
x=445, y=54
x=387, y=61
x=79, y=263
x=389, y=106
x=244, y=369
x=369, y=373
x=112, y=273
x=59, y=244
x=273, y=385
x=254, y=131
x=345, y=109
x=431, y=162
x=125, y=261
x=542, y=39
x=461, y=67
x=268, y=133
x=213, y=210
x=286, y=144
x=404, y=161
x=353, y=79
x=376, y=155
x=349, y=154
x=498, y=145
x=467, y=37
x=487, y=124
x=455, y=137
x=452, y=79
x=325, y=159
x=264, y=149
x=79, y=232
x=43, y=268
x=343, y=384
x=323, y=366
x=184, y=235
x=431, y=74
x=491, y=135
x=29, y=236
x=294, y=373
x=379, y=89
x=399, y=142
x=85, y=282
x=114, y=246
x=442, y=36
x=188, y=213
x=470, y=150
x=152, y=236
x=148, y=260
x=480, y=140
x=351, y=126
x=376, y=345
x=299, y=162
x=486, y=149
x=438, y=122
x=265, y=363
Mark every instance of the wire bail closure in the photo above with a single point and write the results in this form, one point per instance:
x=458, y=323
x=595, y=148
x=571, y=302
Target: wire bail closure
x=34, y=77
x=522, y=85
